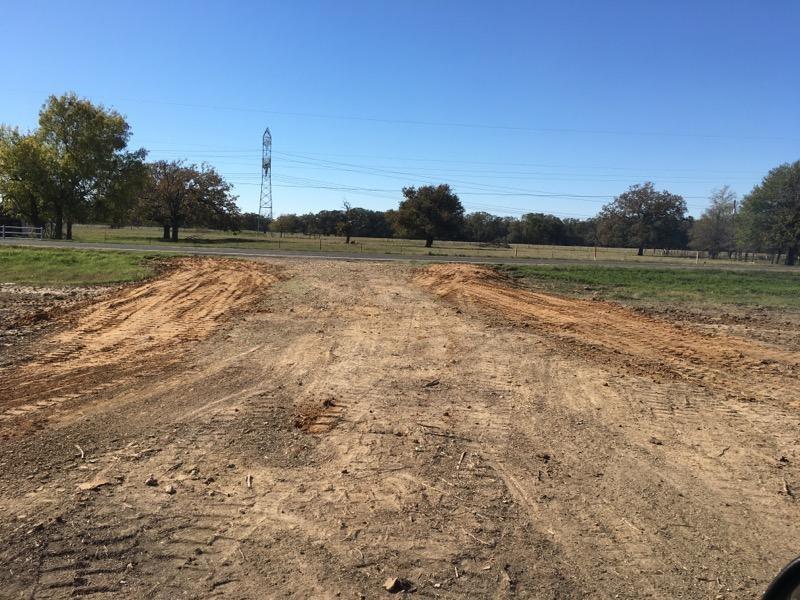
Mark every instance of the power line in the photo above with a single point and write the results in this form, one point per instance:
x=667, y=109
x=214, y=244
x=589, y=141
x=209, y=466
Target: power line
x=465, y=125
x=227, y=153
x=404, y=175
x=470, y=187
x=332, y=186
x=442, y=124
x=507, y=163
x=534, y=176
x=310, y=161
x=306, y=182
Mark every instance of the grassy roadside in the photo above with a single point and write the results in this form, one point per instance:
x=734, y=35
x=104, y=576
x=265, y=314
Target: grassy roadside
x=654, y=286
x=45, y=266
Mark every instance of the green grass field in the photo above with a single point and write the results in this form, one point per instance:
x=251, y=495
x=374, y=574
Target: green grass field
x=405, y=247
x=72, y=267
x=658, y=285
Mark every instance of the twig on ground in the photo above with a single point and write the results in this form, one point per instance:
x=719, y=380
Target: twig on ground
x=477, y=539
x=460, y=460
x=449, y=435
x=80, y=450
x=631, y=525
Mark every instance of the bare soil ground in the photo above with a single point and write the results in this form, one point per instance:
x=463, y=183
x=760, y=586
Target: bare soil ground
x=27, y=312
x=310, y=429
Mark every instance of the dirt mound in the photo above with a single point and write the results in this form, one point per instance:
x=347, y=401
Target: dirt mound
x=605, y=332
x=123, y=335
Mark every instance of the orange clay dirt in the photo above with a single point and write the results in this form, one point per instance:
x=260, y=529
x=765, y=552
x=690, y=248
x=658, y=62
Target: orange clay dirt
x=310, y=429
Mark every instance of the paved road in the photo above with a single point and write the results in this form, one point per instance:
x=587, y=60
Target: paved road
x=365, y=256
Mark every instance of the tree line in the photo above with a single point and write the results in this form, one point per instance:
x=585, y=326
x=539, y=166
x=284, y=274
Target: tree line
x=767, y=220
x=482, y=227
x=76, y=167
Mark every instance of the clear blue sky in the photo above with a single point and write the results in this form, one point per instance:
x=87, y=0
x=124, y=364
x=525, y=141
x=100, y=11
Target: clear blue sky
x=503, y=100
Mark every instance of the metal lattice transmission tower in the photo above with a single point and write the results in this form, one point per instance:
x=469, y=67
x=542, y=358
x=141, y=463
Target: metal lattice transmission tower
x=265, y=201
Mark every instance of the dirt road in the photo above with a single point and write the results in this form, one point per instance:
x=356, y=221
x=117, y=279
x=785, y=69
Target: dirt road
x=312, y=429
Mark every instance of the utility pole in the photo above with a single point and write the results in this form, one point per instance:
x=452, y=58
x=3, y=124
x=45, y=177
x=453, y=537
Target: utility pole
x=733, y=229
x=265, y=199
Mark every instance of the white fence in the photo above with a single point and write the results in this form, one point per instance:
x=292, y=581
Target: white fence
x=13, y=231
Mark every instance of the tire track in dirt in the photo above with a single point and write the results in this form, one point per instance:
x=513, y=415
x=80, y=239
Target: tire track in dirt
x=139, y=329
x=607, y=332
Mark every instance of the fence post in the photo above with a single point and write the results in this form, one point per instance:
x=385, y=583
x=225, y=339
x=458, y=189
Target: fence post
x=3, y=229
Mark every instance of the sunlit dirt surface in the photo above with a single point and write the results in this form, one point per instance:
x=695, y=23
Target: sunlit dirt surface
x=314, y=428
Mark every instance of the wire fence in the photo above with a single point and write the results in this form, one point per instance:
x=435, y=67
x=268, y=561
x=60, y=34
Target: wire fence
x=15, y=231
x=203, y=237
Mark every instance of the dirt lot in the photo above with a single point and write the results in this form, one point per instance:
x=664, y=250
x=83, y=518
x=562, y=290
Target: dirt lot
x=310, y=429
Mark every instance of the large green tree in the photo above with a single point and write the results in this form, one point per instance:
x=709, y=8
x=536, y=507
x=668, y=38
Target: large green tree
x=177, y=195
x=369, y=223
x=714, y=230
x=118, y=195
x=580, y=232
x=345, y=225
x=25, y=181
x=537, y=228
x=87, y=143
x=483, y=227
x=643, y=217
x=289, y=223
x=251, y=221
x=770, y=215
x=430, y=212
